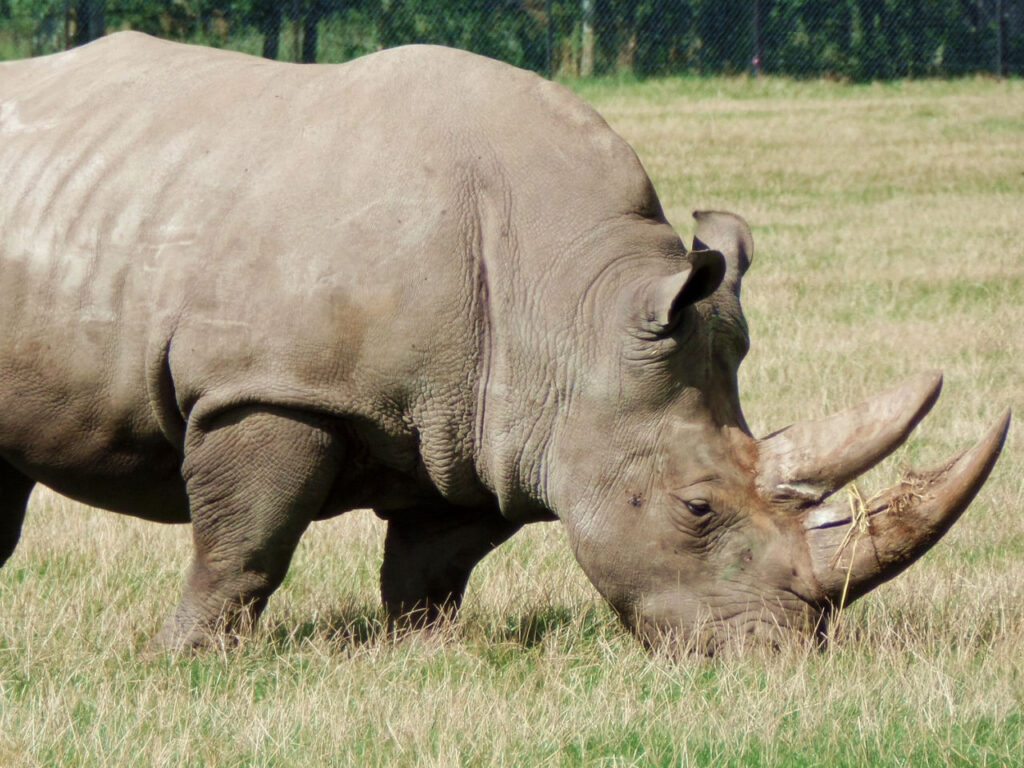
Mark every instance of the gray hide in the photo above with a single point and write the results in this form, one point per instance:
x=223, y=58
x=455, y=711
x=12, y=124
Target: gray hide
x=251, y=295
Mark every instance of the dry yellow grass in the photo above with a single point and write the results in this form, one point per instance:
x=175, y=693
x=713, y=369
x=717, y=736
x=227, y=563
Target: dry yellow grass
x=888, y=222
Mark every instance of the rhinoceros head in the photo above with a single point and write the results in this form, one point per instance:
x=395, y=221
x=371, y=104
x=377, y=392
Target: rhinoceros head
x=692, y=528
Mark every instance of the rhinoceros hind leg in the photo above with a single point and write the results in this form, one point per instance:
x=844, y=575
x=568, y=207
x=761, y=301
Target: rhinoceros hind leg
x=15, y=489
x=255, y=478
x=428, y=555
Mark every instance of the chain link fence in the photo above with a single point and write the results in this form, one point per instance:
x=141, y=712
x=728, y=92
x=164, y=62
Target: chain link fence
x=845, y=39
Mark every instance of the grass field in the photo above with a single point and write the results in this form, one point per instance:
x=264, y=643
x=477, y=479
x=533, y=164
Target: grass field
x=888, y=221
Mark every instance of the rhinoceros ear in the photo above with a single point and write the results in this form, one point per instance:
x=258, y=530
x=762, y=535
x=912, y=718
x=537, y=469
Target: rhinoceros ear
x=729, y=234
x=669, y=296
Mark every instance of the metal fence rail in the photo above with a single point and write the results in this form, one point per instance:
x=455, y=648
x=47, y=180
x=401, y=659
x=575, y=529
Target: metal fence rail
x=849, y=39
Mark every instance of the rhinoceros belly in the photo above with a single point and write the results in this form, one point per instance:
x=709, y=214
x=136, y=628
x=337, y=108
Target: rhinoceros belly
x=74, y=407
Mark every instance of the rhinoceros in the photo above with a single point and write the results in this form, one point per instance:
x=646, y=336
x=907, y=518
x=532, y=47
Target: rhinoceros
x=250, y=295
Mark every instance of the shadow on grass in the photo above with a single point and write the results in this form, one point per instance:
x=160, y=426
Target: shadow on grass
x=364, y=625
x=529, y=629
x=351, y=627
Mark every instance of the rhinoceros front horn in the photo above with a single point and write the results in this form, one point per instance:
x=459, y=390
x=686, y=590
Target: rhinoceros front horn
x=856, y=545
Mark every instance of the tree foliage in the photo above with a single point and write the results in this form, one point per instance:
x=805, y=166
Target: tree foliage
x=855, y=39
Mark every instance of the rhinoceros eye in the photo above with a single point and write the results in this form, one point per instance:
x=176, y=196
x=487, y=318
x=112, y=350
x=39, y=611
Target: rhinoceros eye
x=698, y=507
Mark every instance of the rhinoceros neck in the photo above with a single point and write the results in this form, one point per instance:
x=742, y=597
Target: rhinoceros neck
x=554, y=320
x=566, y=220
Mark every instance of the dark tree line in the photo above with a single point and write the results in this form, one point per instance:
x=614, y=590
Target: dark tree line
x=856, y=39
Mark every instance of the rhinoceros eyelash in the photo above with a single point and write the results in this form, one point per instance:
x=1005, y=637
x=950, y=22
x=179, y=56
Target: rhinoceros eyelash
x=690, y=522
x=699, y=507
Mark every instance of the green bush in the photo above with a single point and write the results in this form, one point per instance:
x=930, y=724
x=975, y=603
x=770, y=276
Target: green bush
x=850, y=39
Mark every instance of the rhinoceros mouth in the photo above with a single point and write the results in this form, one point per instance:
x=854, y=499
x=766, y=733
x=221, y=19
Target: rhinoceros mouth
x=760, y=624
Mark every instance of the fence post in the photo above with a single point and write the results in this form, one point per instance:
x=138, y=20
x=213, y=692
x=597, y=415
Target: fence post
x=757, y=61
x=587, y=52
x=314, y=11
x=550, y=38
x=1000, y=41
x=89, y=18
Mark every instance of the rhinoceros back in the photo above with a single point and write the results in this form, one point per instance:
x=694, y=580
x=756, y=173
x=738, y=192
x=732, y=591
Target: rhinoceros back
x=184, y=230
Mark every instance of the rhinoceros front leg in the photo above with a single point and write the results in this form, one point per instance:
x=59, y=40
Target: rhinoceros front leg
x=255, y=478
x=428, y=555
x=14, y=492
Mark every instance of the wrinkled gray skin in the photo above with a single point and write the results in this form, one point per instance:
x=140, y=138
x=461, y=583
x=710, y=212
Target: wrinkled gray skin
x=253, y=295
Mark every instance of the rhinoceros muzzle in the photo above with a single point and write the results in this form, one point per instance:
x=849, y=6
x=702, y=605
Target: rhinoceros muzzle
x=853, y=543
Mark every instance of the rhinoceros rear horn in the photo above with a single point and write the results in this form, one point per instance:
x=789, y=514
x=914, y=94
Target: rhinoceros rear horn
x=669, y=296
x=809, y=460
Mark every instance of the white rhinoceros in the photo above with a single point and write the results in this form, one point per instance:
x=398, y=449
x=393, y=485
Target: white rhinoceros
x=251, y=295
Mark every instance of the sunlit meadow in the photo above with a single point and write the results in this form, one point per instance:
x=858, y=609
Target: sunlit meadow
x=889, y=222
